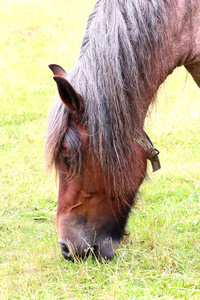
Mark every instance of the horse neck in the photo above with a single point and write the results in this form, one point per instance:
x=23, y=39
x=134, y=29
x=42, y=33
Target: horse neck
x=162, y=60
x=178, y=51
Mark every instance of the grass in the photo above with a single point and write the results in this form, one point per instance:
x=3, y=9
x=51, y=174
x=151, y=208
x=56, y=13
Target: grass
x=161, y=256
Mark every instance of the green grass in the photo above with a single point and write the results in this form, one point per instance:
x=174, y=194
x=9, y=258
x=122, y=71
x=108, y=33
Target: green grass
x=161, y=256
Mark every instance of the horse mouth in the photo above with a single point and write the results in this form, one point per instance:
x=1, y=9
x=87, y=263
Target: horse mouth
x=102, y=251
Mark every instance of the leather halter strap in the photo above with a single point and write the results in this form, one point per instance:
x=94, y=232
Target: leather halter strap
x=151, y=152
x=142, y=139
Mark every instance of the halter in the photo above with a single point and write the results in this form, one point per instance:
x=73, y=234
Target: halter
x=143, y=140
x=151, y=152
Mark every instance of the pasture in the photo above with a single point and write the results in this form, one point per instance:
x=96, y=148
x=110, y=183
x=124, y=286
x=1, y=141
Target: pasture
x=160, y=258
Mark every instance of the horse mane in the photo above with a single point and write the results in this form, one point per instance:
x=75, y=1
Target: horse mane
x=113, y=74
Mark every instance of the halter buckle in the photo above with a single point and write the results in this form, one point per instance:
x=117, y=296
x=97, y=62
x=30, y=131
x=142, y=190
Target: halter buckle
x=152, y=155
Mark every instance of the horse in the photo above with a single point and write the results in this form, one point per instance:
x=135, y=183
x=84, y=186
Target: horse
x=95, y=138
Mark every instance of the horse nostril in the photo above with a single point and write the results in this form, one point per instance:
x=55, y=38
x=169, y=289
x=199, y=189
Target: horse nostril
x=65, y=251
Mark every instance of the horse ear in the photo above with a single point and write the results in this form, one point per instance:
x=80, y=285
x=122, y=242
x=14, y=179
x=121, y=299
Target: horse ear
x=58, y=70
x=68, y=95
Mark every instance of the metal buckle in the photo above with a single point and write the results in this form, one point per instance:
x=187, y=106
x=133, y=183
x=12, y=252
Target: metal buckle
x=152, y=153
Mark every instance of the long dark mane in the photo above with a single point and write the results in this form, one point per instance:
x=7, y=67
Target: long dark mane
x=124, y=40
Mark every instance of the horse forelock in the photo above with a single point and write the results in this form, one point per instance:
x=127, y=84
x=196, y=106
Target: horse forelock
x=123, y=42
x=63, y=140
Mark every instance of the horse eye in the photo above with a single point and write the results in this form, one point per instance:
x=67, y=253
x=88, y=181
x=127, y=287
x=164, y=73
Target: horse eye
x=67, y=160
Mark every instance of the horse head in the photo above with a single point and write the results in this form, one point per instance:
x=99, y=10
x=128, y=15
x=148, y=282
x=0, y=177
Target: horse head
x=89, y=218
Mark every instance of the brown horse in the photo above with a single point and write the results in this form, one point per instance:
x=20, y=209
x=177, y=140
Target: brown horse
x=95, y=136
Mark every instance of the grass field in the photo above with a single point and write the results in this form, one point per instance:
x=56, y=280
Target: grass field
x=160, y=259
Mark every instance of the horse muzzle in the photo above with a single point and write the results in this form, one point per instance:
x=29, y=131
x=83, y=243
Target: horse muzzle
x=102, y=251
